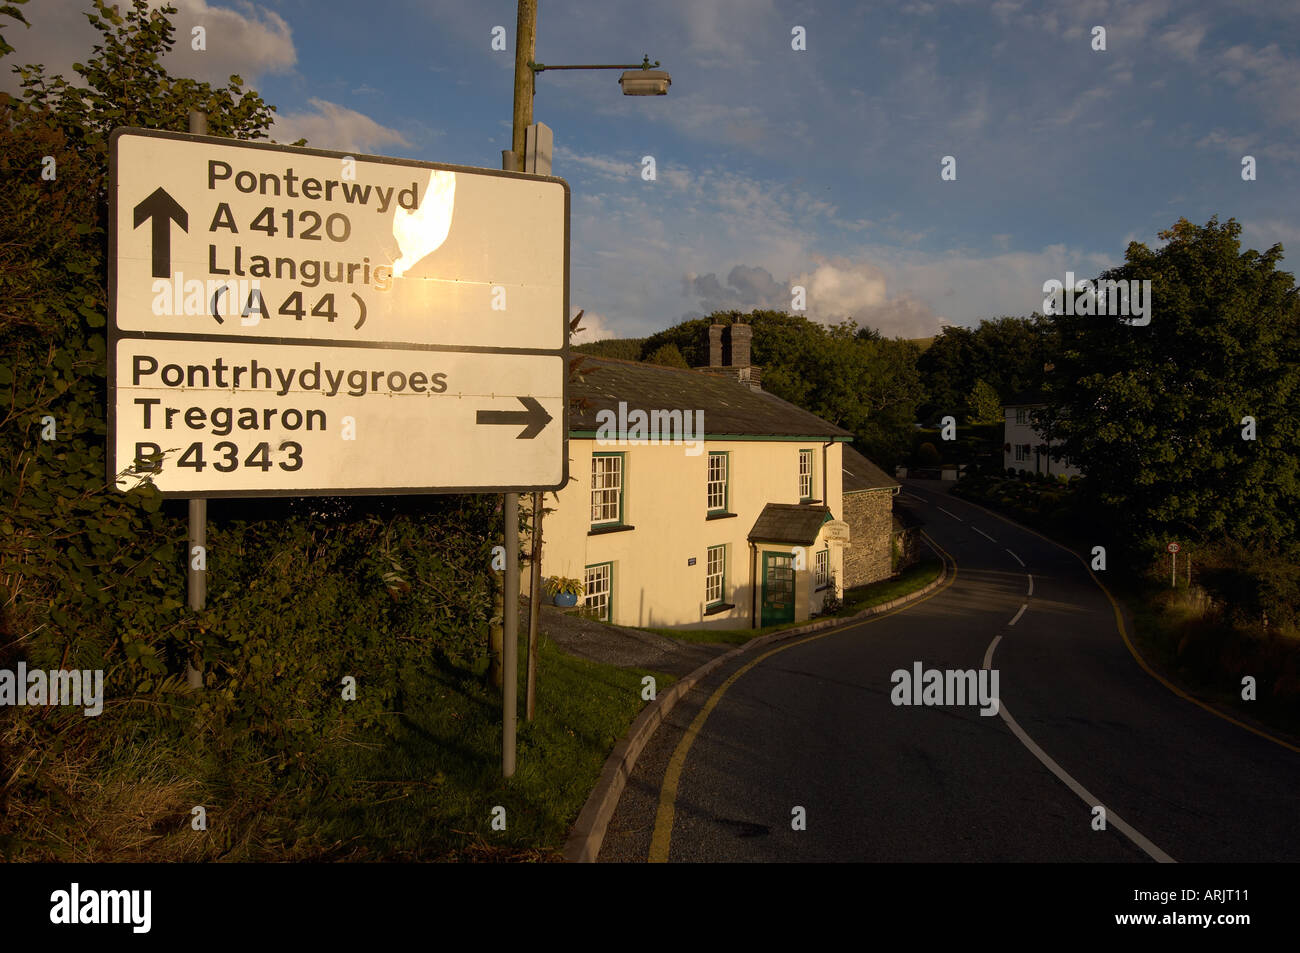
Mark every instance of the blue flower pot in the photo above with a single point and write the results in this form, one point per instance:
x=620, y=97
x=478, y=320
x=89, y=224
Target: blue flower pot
x=566, y=600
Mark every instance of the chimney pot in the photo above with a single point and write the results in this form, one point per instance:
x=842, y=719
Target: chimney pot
x=715, y=345
x=739, y=338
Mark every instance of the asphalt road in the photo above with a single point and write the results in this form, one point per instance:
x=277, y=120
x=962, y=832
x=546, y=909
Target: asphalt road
x=811, y=725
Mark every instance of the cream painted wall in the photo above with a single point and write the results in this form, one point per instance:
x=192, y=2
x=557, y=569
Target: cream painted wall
x=665, y=500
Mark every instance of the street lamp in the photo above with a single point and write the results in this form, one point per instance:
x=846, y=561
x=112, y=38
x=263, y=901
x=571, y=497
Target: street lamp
x=639, y=80
x=645, y=81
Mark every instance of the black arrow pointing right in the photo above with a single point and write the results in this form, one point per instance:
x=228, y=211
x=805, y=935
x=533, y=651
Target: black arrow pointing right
x=164, y=210
x=535, y=417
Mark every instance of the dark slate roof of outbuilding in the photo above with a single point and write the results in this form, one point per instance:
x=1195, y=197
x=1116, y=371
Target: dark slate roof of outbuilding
x=794, y=523
x=729, y=406
x=861, y=474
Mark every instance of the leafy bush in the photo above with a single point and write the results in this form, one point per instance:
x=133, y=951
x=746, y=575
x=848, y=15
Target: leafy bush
x=927, y=455
x=301, y=593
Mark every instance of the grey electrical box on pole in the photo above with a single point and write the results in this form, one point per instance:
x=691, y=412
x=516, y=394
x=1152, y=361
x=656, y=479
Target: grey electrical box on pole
x=539, y=149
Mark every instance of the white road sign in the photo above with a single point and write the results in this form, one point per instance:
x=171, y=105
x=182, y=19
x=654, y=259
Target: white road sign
x=291, y=321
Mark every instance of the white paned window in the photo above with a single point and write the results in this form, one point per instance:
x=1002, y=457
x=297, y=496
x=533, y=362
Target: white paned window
x=717, y=482
x=607, y=488
x=598, y=586
x=805, y=474
x=715, y=578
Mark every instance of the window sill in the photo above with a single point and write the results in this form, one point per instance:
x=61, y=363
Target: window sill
x=720, y=607
x=720, y=516
x=602, y=530
x=810, y=502
x=822, y=588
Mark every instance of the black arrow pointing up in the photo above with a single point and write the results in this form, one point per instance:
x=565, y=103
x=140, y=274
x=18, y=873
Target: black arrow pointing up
x=535, y=417
x=164, y=210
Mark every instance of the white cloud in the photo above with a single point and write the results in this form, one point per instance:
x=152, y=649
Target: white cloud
x=595, y=327
x=1267, y=75
x=246, y=41
x=336, y=127
x=1183, y=40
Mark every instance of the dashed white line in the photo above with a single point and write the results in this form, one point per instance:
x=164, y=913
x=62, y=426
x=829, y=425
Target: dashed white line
x=1023, y=607
x=1016, y=558
x=1031, y=584
x=1151, y=850
x=988, y=656
x=984, y=534
x=953, y=515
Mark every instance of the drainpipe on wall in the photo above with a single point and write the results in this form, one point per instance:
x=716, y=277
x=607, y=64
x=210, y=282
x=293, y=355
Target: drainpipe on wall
x=825, y=500
x=753, y=586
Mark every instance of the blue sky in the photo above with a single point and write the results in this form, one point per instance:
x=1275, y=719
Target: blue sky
x=820, y=167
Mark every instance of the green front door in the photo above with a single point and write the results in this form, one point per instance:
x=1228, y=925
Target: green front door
x=778, y=589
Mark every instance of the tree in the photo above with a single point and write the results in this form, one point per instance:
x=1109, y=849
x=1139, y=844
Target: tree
x=1155, y=415
x=983, y=404
x=848, y=375
x=667, y=355
x=1007, y=353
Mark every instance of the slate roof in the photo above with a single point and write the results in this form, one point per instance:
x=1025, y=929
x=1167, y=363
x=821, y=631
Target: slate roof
x=861, y=474
x=795, y=523
x=730, y=408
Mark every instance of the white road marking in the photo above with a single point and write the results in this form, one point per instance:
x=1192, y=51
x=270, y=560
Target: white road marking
x=1031, y=584
x=984, y=534
x=953, y=515
x=988, y=656
x=1151, y=850
x=1016, y=558
x=1023, y=607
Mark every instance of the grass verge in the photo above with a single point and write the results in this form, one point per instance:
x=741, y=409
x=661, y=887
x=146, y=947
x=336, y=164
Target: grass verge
x=425, y=789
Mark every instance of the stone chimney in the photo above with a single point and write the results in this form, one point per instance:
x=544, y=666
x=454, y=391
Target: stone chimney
x=715, y=345
x=739, y=336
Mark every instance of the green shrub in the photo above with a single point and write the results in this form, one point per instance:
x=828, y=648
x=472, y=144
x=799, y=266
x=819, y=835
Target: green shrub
x=927, y=455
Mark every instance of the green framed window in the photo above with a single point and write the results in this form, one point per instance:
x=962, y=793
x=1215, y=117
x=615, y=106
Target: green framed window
x=715, y=578
x=608, y=481
x=598, y=589
x=719, y=472
x=805, y=475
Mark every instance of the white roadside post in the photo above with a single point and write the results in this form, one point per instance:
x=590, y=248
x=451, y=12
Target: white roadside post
x=1173, y=565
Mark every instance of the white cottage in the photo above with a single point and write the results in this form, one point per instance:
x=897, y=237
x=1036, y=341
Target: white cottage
x=696, y=500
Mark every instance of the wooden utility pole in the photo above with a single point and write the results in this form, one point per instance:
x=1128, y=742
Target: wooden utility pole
x=525, y=33
x=525, y=46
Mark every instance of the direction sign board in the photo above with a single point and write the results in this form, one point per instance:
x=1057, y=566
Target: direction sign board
x=289, y=321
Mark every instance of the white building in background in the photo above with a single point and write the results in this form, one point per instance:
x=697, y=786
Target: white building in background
x=1023, y=448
